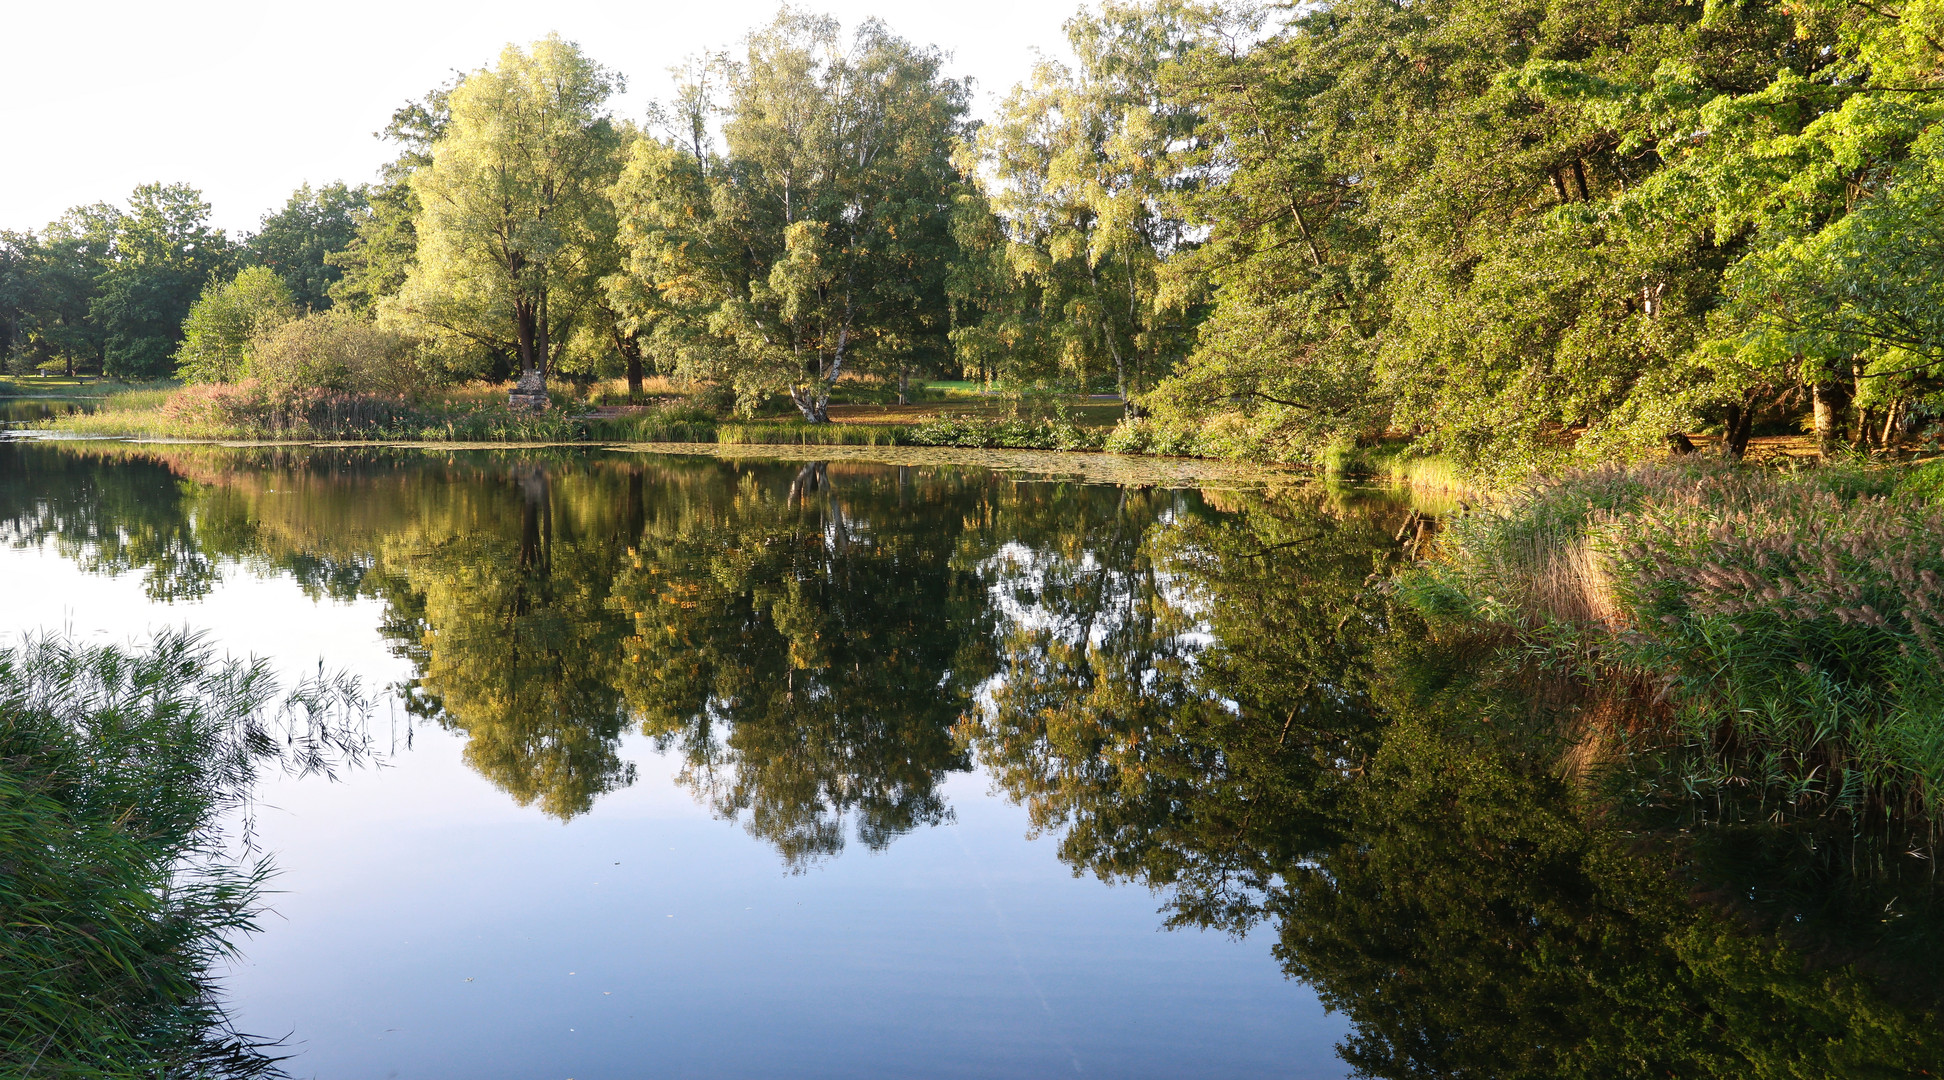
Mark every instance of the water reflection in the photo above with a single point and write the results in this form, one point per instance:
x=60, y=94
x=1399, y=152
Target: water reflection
x=19, y=411
x=1210, y=694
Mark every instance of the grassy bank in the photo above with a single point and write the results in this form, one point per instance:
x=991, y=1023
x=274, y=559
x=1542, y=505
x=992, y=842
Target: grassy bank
x=118, y=888
x=1794, y=622
x=480, y=414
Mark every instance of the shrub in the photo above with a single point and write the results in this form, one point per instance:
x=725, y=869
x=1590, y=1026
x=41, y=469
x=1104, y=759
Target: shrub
x=1924, y=482
x=218, y=337
x=337, y=350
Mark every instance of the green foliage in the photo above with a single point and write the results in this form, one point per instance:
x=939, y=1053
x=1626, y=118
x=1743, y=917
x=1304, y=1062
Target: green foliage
x=50, y=283
x=807, y=434
x=1003, y=432
x=298, y=241
x=818, y=242
x=336, y=350
x=117, y=771
x=164, y=253
x=1082, y=171
x=1924, y=482
x=1523, y=233
x=376, y=260
x=513, y=210
x=219, y=334
x=1798, y=622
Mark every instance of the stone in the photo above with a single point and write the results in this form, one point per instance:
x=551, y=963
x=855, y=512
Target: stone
x=529, y=393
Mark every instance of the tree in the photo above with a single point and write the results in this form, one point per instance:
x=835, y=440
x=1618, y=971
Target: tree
x=56, y=277
x=374, y=263
x=17, y=288
x=820, y=243
x=511, y=205
x=1464, y=224
x=164, y=252
x=1083, y=166
x=219, y=331
x=1831, y=170
x=298, y=240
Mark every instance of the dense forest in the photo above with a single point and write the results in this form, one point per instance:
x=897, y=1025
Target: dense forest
x=1512, y=231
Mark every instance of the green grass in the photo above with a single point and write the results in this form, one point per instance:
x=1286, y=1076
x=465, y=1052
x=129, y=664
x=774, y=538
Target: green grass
x=118, y=887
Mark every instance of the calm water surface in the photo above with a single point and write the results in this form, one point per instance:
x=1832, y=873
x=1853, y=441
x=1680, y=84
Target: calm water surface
x=23, y=410
x=694, y=767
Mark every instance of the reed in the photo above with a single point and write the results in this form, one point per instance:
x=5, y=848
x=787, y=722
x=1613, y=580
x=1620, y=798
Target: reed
x=1796, y=621
x=119, y=888
x=1005, y=433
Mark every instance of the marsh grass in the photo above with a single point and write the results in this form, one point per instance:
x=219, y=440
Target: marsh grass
x=1796, y=622
x=120, y=885
x=800, y=434
x=1058, y=432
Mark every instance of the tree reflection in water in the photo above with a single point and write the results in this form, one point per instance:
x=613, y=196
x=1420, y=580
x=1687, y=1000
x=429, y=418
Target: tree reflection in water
x=806, y=646
x=1214, y=695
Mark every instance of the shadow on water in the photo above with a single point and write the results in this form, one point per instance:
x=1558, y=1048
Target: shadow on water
x=1209, y=693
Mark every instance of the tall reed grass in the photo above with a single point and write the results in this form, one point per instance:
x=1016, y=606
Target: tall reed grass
x=1796, y=621
x=119, y=886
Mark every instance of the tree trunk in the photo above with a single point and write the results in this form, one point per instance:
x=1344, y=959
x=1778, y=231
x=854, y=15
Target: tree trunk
x=1579, y=179
x=1678, y=443
x=1862, y=432
x=814, y=405
x=523, y=334
x=1830, y=399
x=1735, y=429
x=1892, y=415
x=904, y=384
x=542, y=348
x=634, y=371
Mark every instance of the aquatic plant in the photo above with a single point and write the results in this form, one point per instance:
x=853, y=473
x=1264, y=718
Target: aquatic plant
x=119, y=884
x=1058, y=433
x=1796, y=621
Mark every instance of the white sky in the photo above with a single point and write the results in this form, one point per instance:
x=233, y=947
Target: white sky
x=248, y=100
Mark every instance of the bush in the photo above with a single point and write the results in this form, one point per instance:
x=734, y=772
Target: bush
x=337, y=350
x=218, y=336
x=1924, y=482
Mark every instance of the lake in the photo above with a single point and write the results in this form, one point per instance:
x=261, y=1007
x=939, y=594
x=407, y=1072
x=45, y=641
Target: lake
x=16, y=411
x=923, y=764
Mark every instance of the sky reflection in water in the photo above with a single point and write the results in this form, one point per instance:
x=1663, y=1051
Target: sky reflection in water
x=428, y=925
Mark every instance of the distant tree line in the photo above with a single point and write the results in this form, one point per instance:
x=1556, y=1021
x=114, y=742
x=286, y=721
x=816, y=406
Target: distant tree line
x=1511, y=229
